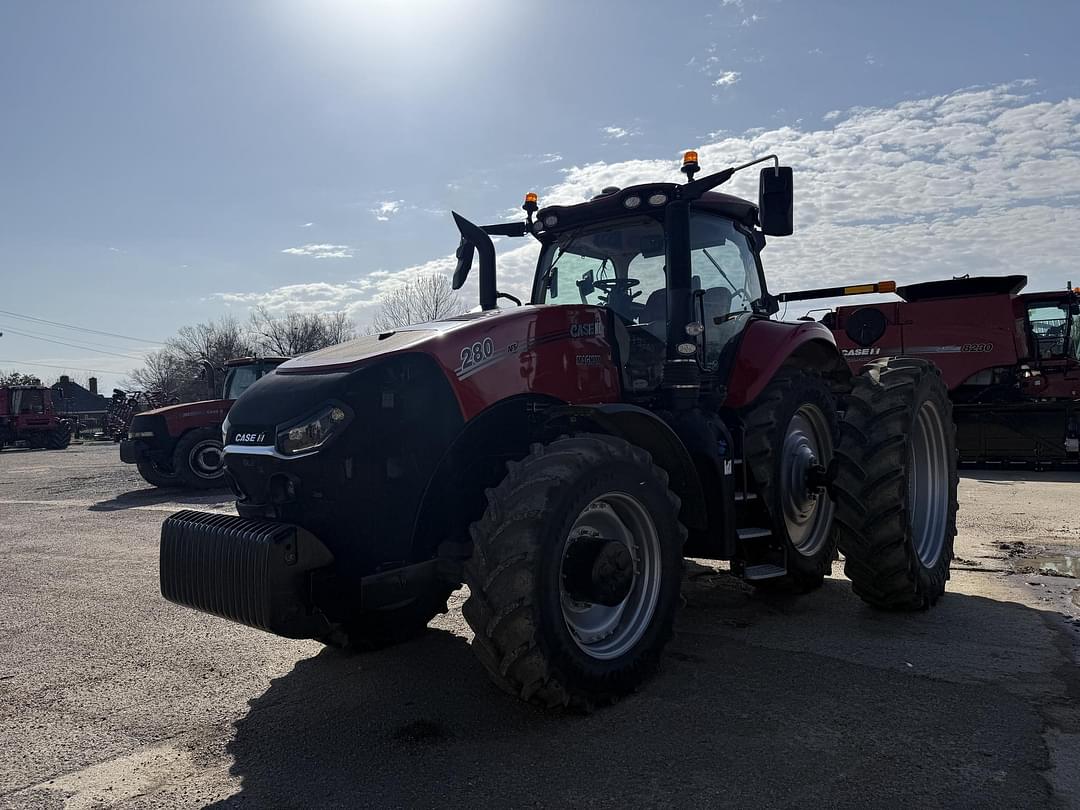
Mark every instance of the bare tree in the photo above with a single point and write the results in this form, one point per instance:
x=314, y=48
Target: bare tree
x=299, y=333
x=425, y=298
x=162, y=374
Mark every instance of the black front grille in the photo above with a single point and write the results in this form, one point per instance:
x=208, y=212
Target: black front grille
x=254, y=572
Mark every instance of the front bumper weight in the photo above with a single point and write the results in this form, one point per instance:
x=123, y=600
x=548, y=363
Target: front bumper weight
x=254, y=572
x=133, y=451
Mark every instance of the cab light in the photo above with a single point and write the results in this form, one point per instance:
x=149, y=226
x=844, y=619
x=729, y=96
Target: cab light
x=658, y=199
x=632, y=201
x=531, y=197
x=689, y=156
x=550, y=221
x=886, y=286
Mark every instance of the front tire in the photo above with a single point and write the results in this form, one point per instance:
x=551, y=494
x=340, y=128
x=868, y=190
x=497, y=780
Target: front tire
x=575, y=573
x=154, y=475
x=59, y=438
x=896, y=484
x=199, y=459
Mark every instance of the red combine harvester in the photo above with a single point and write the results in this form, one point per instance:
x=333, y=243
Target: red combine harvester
x=180, y=445
x=27, y=415
x=1011, y=360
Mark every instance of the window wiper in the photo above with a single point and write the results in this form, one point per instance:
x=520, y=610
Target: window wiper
x=562, y=250
x=720, y=270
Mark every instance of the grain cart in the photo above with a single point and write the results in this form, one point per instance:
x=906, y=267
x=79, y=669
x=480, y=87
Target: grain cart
x=27, y=415
x=1011, y=360
x=180, y=445
x=561, y=456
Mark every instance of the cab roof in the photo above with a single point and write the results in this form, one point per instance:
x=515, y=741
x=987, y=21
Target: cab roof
x=610, y=205
x=250, y=361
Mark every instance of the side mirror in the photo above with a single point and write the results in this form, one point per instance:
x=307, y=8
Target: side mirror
x=465, y=252
x=553, y=282
x=776, y=202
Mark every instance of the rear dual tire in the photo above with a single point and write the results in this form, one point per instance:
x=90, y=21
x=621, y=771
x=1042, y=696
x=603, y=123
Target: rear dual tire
x=791, y=429
x=896, y=484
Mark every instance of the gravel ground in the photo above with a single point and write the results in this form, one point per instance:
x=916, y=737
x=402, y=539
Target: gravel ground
x=114, y=698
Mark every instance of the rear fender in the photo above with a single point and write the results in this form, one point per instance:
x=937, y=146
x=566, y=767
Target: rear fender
x=768, y=345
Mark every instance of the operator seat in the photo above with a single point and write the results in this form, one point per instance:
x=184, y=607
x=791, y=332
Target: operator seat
x=716, y=302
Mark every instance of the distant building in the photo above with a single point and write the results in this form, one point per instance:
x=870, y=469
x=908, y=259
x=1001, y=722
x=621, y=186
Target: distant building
x=86, y=405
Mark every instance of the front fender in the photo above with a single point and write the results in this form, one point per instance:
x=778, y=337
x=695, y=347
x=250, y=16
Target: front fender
x=651, y=433
x=768, y=345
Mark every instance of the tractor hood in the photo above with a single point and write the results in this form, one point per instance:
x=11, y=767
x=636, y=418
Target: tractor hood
x=431, y=338
x=189, y=409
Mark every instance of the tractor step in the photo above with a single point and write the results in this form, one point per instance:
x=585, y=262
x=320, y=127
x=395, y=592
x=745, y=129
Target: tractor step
x=754, y=534
x=763, y=571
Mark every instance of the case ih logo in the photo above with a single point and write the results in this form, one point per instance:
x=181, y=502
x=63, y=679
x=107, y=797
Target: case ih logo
x=872, y=351
x=594, y=329
x=249, y=438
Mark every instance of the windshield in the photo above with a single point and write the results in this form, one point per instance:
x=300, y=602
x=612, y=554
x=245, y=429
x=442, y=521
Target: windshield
x=617, y=265
x=239, y=379
x=28, y=400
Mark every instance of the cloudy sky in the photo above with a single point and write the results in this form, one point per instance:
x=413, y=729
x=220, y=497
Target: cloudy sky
x=164, y=163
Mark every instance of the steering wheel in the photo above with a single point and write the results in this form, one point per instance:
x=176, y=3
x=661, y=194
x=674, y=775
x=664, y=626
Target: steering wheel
x=610, y=285
x=508, y=297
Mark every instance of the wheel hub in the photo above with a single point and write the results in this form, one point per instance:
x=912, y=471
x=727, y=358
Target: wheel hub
x=206, y=460
x=610, y=575
x=598, y=570
x=807, y=511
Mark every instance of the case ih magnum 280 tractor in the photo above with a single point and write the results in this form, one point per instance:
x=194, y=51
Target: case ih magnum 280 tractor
x=27, y=415
x=180, y=445
x=562, y=456
x=1011, y=361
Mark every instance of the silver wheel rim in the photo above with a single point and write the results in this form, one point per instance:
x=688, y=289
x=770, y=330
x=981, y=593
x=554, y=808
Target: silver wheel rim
x=206, y=459
x=807, y=513
x=928, y=484
x=602, y=631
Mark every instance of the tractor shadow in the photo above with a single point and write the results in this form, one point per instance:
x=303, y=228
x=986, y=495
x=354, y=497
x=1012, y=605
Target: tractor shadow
x=778, y=702
x=1069, y=475
x=154, y=496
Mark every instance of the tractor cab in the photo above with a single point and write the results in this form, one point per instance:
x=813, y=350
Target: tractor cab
x=675, y=267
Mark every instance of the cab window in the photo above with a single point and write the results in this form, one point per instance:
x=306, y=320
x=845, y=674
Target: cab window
x=724, y=277
x=1049, y=329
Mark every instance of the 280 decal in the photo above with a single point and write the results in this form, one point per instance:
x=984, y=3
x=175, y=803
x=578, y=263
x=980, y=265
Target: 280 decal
x=476, y=354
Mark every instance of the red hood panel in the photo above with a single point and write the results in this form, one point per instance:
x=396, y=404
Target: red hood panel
x=190, y=408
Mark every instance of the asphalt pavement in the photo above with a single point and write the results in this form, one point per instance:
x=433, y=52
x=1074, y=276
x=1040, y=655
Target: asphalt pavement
x=112, y=697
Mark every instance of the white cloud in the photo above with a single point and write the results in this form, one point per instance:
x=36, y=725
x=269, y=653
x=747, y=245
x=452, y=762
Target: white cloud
x=616, y=132
x=386, y=209
x=551, y=157
x=982, y=180
x=727, y=78
x=321, y=251
x=753, y=18
x=307, y=224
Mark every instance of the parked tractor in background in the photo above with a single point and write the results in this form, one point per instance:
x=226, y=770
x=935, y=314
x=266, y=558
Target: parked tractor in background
x=27, y=416
x=180, y=445
x=562, y=456
x=1011, y=360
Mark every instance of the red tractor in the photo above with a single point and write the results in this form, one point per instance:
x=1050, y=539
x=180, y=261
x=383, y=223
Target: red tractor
x=27, y=415
x=1011, y=360
x=562, y=456
x=180, y=445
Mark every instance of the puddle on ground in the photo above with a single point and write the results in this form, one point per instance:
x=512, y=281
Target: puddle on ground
x=1053, y=565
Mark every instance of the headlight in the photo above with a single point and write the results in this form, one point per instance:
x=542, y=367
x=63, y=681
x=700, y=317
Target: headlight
x=312, y=433
x=225, y=431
